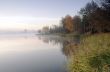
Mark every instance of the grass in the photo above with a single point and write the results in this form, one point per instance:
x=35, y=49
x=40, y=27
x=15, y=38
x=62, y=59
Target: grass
x=93, y=55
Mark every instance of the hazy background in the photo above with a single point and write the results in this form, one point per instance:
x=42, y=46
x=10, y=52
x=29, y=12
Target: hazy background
x=18, y=15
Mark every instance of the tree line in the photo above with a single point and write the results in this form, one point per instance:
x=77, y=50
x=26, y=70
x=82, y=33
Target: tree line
x=93, y=18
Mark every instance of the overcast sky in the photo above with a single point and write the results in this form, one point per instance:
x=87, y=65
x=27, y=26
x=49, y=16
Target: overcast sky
x=33, y=14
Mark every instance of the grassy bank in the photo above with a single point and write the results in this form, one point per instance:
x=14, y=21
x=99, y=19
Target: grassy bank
x=93, y=55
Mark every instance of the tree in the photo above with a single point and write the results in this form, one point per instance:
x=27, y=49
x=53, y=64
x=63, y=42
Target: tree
x=96, y=19
x=90, y=18
x=67, y=23
x=77, y=24
x=45, y=29
x=105, y=5
x=39, y=31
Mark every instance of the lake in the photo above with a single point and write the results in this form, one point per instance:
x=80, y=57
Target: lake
x=31, y=53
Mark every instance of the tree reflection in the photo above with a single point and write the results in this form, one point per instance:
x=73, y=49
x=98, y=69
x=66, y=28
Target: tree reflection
x=82, y=54
x=69, y=46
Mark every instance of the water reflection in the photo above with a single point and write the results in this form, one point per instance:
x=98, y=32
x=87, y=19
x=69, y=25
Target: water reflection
x=69, y=46
x=51, y=54
x=92, y=54
x=20, y=54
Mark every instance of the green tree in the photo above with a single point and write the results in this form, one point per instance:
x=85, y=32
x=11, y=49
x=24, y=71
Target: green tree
x=105, y=5
x=88, y=20
x=77, y=24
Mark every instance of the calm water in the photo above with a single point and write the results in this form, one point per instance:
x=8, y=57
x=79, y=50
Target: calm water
x=30, y=53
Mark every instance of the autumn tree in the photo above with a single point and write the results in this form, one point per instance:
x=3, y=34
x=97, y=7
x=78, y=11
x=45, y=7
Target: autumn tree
x=67, y=23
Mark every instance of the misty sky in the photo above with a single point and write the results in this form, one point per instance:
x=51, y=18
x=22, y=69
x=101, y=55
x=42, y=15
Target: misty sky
x=33, y=14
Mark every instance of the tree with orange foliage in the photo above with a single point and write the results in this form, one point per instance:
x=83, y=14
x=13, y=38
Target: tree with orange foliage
x=67, y=23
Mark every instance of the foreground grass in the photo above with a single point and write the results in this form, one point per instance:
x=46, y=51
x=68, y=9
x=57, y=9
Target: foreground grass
x=93, y=55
